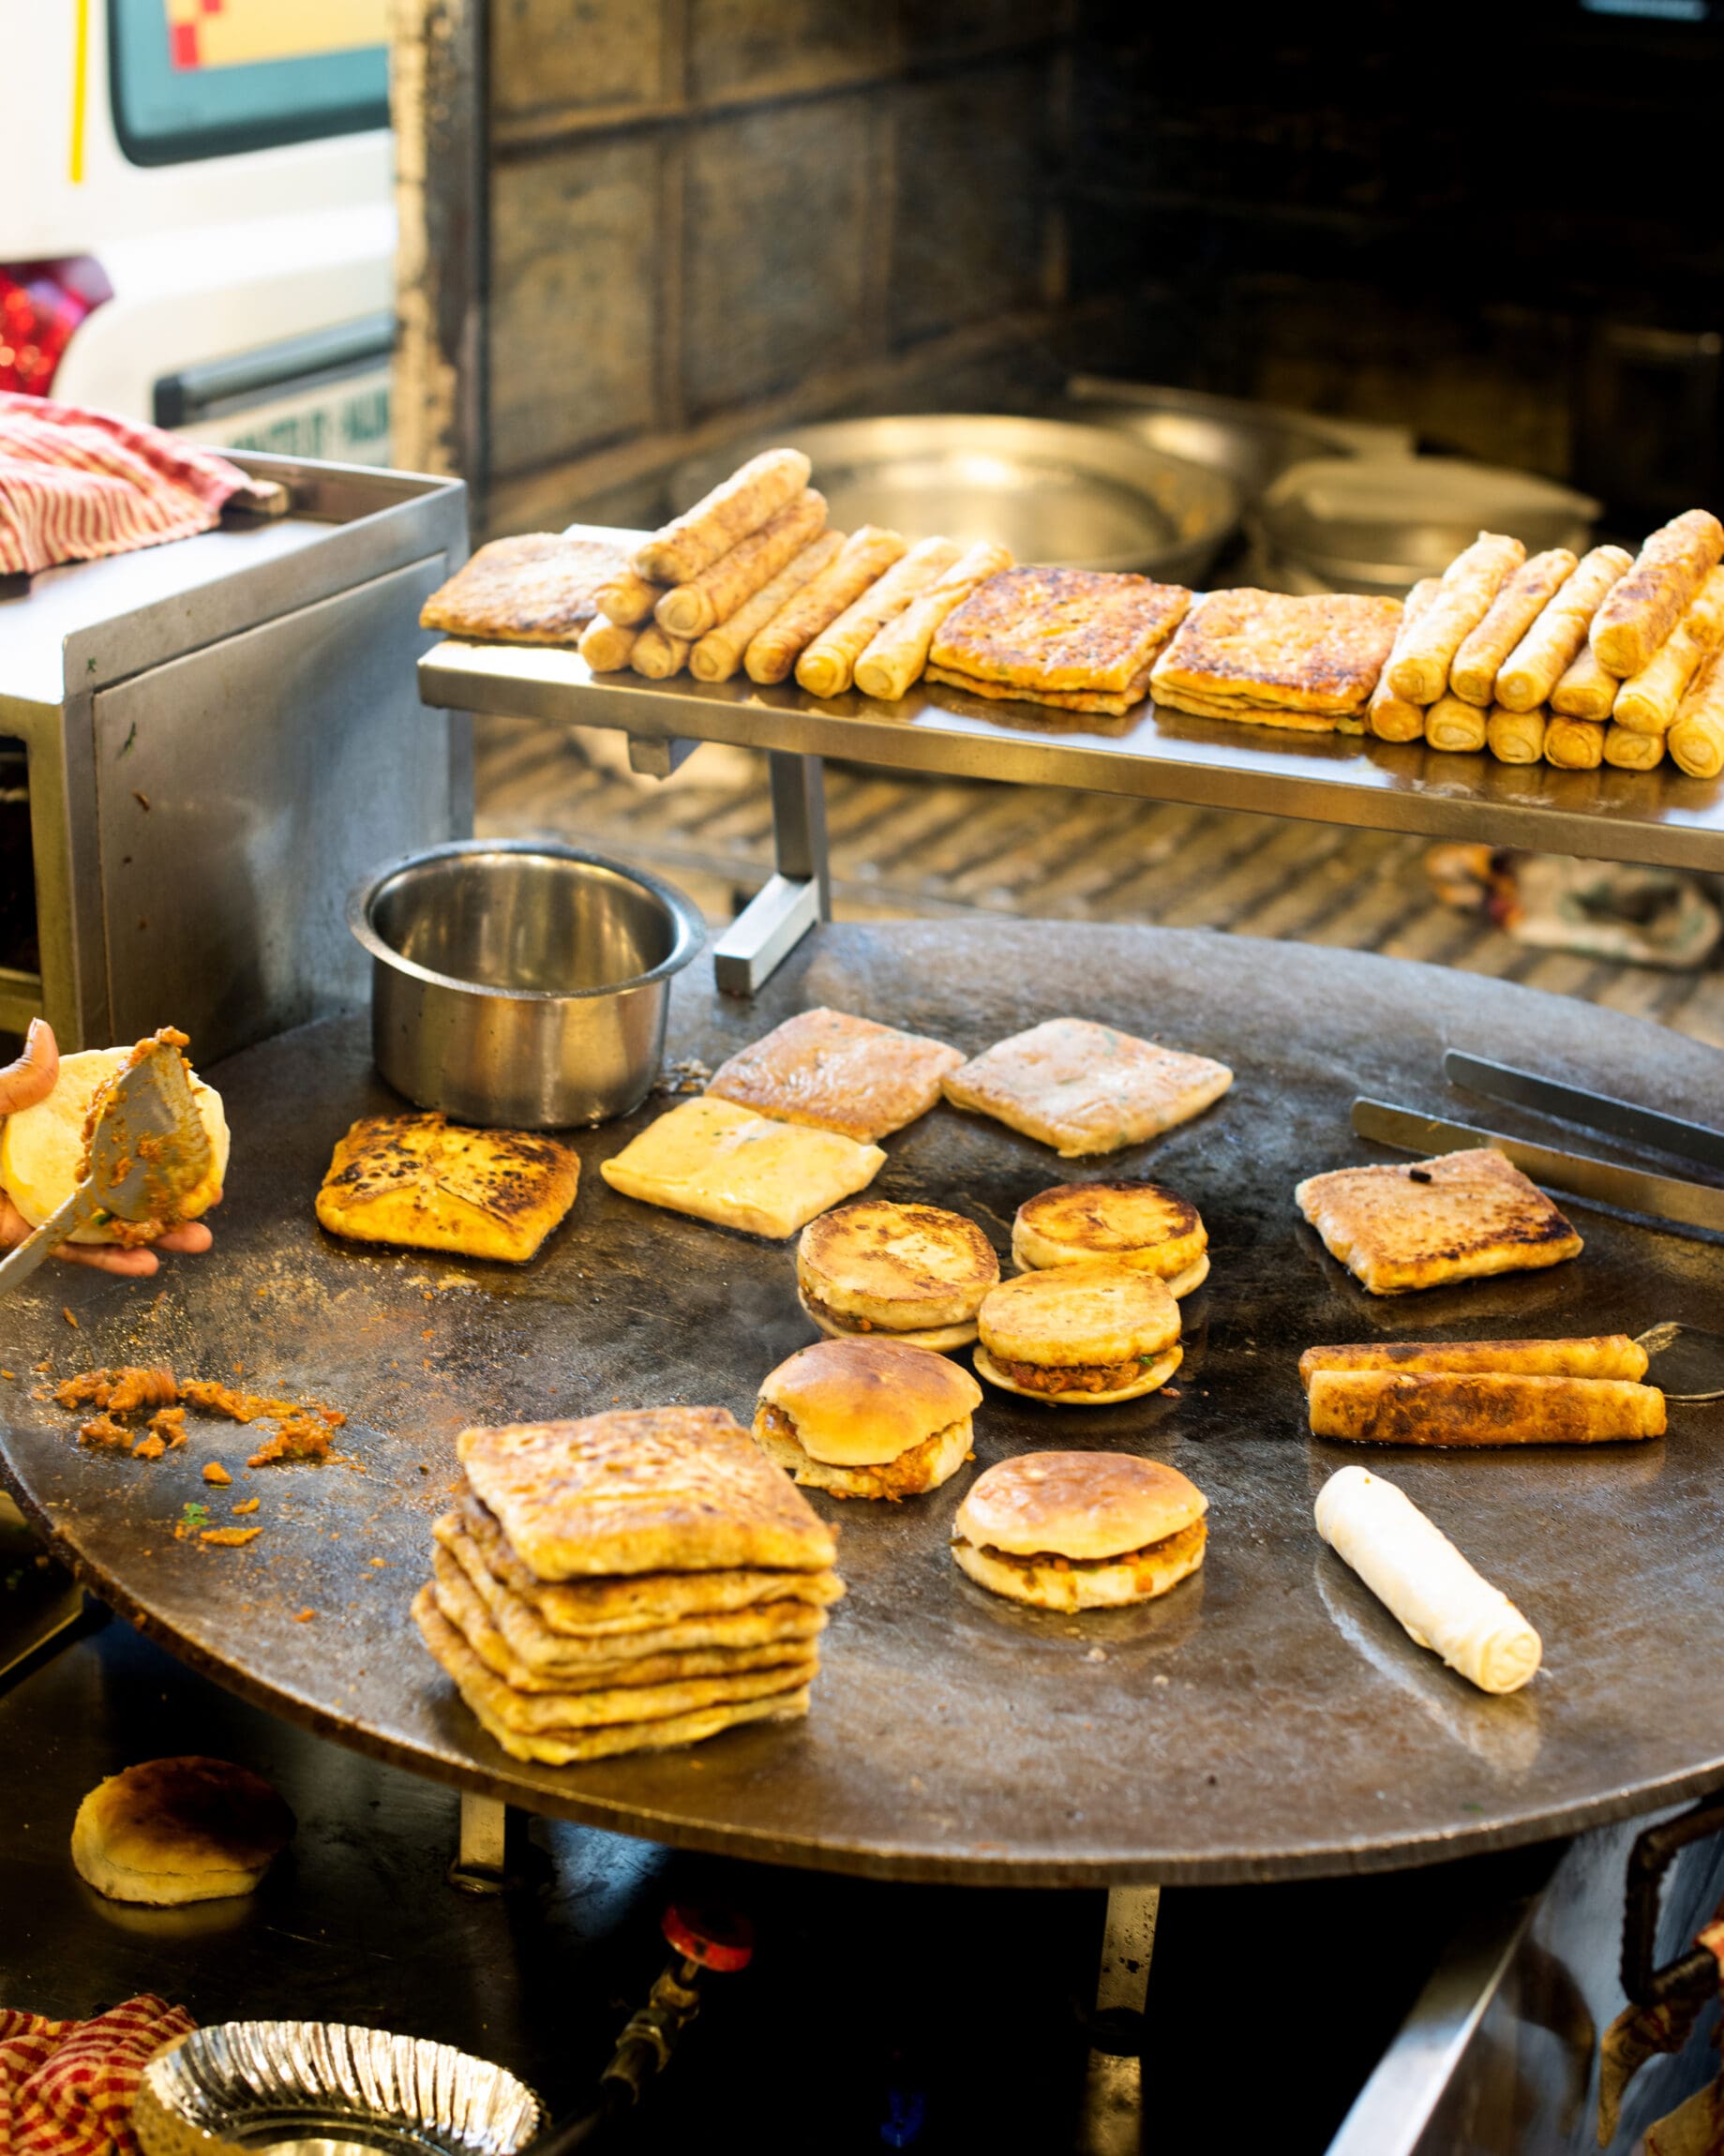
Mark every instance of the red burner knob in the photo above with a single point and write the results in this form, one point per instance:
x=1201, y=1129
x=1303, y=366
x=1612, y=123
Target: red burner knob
x=712, y=1937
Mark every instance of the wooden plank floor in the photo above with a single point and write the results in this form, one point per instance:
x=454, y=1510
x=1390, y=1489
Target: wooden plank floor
x=909, y=846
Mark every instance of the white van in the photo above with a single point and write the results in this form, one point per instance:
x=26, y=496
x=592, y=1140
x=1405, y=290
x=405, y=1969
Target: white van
x=200, y=230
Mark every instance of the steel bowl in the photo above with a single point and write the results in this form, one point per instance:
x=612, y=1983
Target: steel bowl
x=326, y=2089
x=1252, y=444
x=1378, y=524
x=1080, y=497
x=518, y=981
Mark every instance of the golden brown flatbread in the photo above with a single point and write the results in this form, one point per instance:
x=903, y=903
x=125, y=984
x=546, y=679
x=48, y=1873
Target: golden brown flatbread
x=1479, y=1407
x=1244, y=712
x=834, y=1071
x=1086, y=1088
x=1457, y=1218
x=537, y=589
x=438, y=1186
x=1060, y=699
x=1272, y=651
x=641, y=1490
x=563, y=1746
x=1045, y=632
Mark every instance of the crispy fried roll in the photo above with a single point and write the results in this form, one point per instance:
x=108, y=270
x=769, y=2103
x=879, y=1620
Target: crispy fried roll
x=1641, y=611
x=658, y=656
x=1574, y=745
x=739, y=505
x=1606, y=1355
x=1585, y=690
x=1419, y=671
x=866, y=555
x=1516, y=736
x=628, y=599
x=1631, y=751
x=719, y=652
x=606, y=645
x=1543, y=656
x=827, y=665
x=1697, y=739
x=1648, y=701
x=1522, y=598
x=1390, y=717
x=1450, y=724
x=691, y=609
x=899, y=650
x=1479, y=1407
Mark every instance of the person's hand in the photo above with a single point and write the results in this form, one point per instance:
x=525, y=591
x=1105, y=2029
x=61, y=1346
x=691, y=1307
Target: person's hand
x=22, y=1085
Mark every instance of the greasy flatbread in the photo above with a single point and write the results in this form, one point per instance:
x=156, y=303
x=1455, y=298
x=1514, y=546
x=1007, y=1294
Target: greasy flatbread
x=641, y=1490
x=1319, y=653
x=1243, y=710
x=537, y=589
x=723, y=1163
x=1061, y=631
x=1459, y=1217
x=438, y=1186
x=1086, y=1088
x=832, y=1072
x=563, y=1746
x=600, y=1609
x=1101, y=700
x=461, y=1603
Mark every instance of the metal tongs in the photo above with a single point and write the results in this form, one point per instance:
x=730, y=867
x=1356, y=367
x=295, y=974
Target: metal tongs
x=149, y=1151
x=1697, y=1366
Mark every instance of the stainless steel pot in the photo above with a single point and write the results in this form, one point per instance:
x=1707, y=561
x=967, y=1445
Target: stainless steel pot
x=515, y=982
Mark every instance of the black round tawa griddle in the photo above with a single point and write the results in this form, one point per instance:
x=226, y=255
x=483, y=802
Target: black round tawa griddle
x=1267, y=1718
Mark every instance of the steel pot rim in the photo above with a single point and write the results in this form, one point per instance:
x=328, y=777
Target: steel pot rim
x=688, y=945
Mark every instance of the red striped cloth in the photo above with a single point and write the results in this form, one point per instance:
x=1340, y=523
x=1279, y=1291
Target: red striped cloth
x=75, y=485
x=67, y=2087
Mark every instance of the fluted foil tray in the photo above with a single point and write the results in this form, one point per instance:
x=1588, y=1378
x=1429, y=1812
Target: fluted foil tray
x=328, y=2088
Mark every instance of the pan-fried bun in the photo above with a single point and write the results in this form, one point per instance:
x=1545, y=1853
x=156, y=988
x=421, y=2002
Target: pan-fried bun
x=169, y=1830
x=1138, y=1225
x=924, y=1467
x=862, y=1403
x=1098, y=1312
x=876, y=1266
x=943, y=1340
x=1080, y=1530
x=1152, y=1374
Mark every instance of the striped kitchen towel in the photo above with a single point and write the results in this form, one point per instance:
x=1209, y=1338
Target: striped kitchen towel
x=67, y=2087
x=75, y=485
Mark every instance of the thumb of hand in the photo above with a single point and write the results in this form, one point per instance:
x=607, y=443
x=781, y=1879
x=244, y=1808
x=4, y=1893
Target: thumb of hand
x=31, y=1077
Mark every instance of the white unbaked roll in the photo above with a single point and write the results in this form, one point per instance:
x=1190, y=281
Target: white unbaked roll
x=1412, y=1566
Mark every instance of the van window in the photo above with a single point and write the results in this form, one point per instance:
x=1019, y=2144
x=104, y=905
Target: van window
x=206, y=78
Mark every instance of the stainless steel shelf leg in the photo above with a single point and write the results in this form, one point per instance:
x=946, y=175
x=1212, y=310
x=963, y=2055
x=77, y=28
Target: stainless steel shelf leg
x=492, y=1842
x=1112, y=2121
x=790, y=903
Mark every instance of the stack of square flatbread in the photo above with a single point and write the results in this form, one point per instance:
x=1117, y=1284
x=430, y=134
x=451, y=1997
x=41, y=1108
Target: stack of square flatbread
x=1307, y=662
x=1079, y=639
x=627, y=1582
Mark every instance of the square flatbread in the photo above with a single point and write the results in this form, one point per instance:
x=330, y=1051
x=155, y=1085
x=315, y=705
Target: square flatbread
x=1060, y=699
x=1321, y=653
x=835, y=1072
x=767, y=1629
x=1086, y=1088
x=461, y=1603
x=1068, y=632
x=438, y=1186
x=1457, y=1218
x=727, y=1165
x=642, y=1489
x=536, y=589
x=564, y=1745
x=614, y=1615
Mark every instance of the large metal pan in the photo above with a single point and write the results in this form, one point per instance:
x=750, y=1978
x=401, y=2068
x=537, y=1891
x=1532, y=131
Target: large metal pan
x=1083, y=497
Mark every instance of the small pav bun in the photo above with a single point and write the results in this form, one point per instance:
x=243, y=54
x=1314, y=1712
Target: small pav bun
x=868, y=1418
x=1081, y=1335
x=184, y=1830
x=1137, y=1224
x=915, y=1271
x=1080, y=1530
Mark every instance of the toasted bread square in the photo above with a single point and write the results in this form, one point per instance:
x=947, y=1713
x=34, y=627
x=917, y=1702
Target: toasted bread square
x=835, y=1072
x=727, y=1165
x=641, y=1490
x=1458, y=1217
x=536, y=589
x=439, y=1186
x=1069, y=631
x=1318, y=654
x=1086, y=1088
x=1060, y=699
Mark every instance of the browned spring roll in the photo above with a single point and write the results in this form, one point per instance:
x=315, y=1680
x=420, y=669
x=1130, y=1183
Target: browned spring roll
x=826, y=666
x=1522, y=598
x=1640, y=612
x=605, y=646
x=1390, y=717
x=737, y=506
x=1585, y=690
x=1697, y=739
x=719, y=652
x=628, y=599
x=1419, y=669
x=1608, y=1354
x=867, y=555
x=1516, y=736
x=900, y=650
x=1574, y=745
x=1549, y=648
x=691, y=609
x=1443, y=1408
x=656, y=655
x=1450, y=724
x=1648, y=701
x=1631, y=751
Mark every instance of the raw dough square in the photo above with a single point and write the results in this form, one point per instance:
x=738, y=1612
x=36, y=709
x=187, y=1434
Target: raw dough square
x=1457, y=1218
x=835, y=1072
x=728, y=1165
x=1086, y=1088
